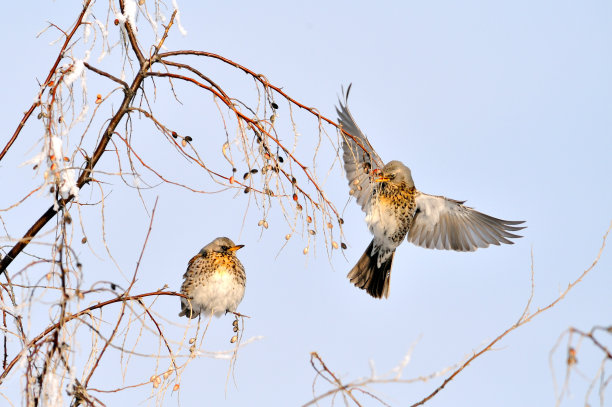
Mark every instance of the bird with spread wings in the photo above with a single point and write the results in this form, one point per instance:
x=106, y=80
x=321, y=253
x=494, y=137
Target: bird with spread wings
x=395, y=209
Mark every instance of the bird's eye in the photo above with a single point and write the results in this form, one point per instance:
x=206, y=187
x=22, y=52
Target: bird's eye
x=224, y=248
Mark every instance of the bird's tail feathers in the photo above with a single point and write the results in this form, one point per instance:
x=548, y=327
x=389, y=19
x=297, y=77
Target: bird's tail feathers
x=370, y=276
x=187, y=310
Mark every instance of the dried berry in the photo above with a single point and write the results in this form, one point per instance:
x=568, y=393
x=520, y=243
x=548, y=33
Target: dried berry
x=280, y=159
x=341, y=221
x=305, y=250
x=234, y=339
x=231, y=179
x=334, y=245
x=312, y=232
x=246, y=175
x=174, y=134
x=235, y=329
x=343, y=245
x=116, y=21
x=571, y=357
x=188, y=138
x=84, y=240
x=247, y=190
x=176, y=387
x=274, y=105
x=288, y=236
x=308, y=219
x=295, y=197
x=254, y=171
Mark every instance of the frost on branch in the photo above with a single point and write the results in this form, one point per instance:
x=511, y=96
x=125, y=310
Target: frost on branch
x=252, y=156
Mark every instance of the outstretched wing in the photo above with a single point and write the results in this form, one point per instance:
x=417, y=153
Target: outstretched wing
x=443, y=223
x=359, y=156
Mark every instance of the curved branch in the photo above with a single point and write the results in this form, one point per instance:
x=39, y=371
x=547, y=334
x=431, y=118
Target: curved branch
x=84, y=176
x=262, y=79
x=525, y=319
x=60, y=56
x=70, y=317
x=260, y=128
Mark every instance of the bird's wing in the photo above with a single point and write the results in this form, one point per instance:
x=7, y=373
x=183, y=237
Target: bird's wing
x=193, y=260
x=443, y=223
x=359, y=156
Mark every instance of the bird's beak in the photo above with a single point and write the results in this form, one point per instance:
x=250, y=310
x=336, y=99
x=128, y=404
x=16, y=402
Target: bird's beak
x=234, y=248
x=382, y=178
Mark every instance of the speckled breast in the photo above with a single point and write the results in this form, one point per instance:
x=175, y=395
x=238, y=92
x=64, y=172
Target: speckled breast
x=397, y=206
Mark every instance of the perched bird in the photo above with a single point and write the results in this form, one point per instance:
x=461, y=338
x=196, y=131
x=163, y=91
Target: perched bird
x=395, y=208
x=214, y=280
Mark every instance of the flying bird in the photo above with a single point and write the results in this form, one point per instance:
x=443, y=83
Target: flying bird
x=214, y=280
x=395, y=209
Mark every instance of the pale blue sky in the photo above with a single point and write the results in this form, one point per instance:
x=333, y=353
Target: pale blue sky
x=506, y=105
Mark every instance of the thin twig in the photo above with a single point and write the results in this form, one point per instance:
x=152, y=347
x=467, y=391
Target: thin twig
x=36, y=103
x=519, y=323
